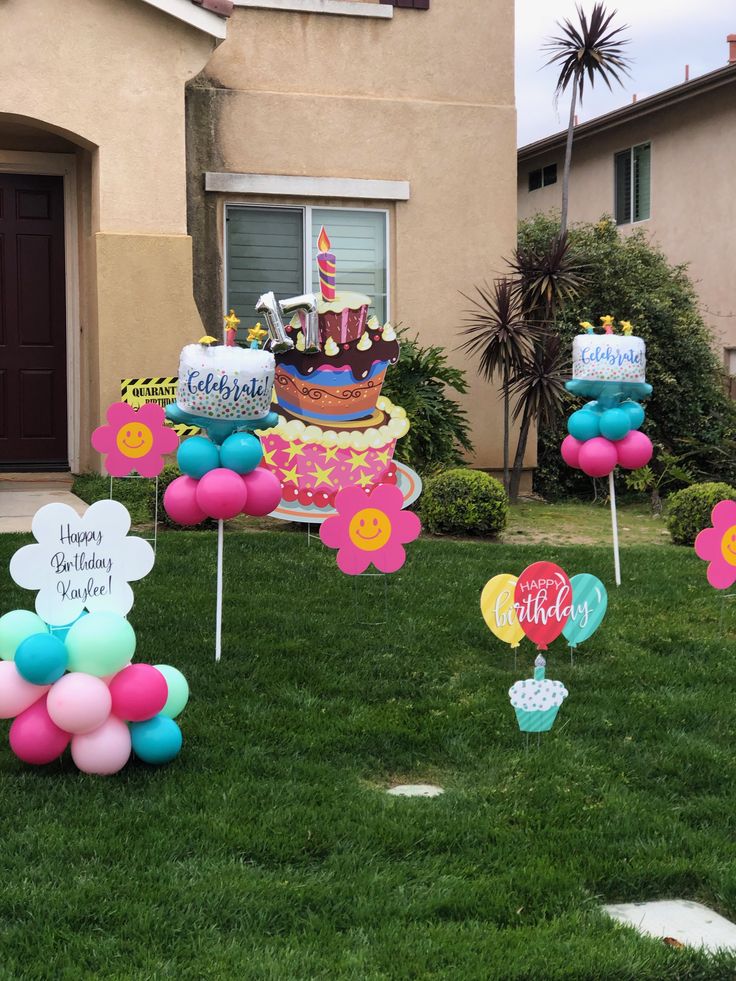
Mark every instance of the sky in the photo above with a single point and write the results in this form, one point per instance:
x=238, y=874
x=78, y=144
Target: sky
x=665, y=36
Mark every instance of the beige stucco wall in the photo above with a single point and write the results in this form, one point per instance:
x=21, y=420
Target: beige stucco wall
x=693, y=206
x=109, y=75
x=400, y=99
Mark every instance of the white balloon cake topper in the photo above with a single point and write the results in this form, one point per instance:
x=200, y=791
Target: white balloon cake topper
x=82, y=561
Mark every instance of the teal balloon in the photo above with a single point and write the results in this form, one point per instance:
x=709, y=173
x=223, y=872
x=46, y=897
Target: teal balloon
x=197, y=456
x=101, y=643
x=615, y=424
x=589, y=605
x=584, y=425
x=178, y=690
x=635, y=413
x=15, y=627
x=157, y=740
x=41, y=659
x=241, y=452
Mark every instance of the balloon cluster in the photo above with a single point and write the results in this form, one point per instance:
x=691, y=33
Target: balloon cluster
x=78, y=687
x=605, y=434
x=221, y=481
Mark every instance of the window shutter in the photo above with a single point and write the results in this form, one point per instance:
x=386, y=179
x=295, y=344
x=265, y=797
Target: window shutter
x=358, y=239
x=622, y=162
x=642, y=181
x=264, y=252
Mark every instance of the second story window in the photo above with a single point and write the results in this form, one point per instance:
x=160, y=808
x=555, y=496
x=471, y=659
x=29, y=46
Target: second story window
x=542, y=177
x=633, y=187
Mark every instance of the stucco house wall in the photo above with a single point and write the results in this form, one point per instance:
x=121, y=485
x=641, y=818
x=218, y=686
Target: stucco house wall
x=693, y=207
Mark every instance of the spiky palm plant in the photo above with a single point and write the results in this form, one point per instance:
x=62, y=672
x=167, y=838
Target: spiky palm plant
x=547, y=278
x=503, y=340
x=591, y=49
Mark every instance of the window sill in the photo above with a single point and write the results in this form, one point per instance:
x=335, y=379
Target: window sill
x=344, y=8
x=307, y=187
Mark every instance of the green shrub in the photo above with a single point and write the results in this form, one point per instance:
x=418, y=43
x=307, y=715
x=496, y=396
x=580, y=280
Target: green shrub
x=134, y=493
x=464, y=502
x=688, y=510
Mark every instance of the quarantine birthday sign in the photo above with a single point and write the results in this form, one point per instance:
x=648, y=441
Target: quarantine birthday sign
x=81, y=562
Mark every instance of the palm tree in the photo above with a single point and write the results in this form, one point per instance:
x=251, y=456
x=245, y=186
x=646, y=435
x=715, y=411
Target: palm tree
x=504, y=339
x=589, y=49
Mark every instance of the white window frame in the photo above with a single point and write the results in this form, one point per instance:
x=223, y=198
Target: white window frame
x=630, y=149
x=306, y=210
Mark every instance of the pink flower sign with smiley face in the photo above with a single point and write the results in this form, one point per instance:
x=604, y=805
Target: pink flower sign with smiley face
x=370, y=528
x=717, y=545
x=135, y=439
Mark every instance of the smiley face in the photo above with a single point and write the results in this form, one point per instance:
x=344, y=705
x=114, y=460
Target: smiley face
x=728, y=545
x=134, y=440
x=370, y=529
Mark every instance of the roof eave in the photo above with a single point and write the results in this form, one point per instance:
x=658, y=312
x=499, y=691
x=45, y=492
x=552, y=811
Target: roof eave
x=194, y=15
x=669, y=97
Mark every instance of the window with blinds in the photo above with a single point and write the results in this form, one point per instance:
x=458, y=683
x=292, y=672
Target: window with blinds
x=633, y=186
x=276, y=249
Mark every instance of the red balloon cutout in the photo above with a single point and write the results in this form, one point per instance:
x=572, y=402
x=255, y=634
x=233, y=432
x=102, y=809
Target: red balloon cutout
x=542, y=601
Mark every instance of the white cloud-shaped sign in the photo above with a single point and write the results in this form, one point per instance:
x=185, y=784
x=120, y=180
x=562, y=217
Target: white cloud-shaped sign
x=81, y=562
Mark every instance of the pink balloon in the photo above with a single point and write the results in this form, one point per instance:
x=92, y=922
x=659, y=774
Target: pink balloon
x=180, y=501
x=35, y=738
x=597, y=457
x=103, y=751
x=634, y=450
x=542, y=597
x=264, y=492
x=16, y=694
x=138, y=692
x=79, y=702
x=221, y=493
x=570, y=451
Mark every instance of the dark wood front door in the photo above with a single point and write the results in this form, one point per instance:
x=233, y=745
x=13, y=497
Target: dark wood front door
x=33, y=395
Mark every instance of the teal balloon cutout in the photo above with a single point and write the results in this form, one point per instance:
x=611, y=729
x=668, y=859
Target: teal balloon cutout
x=589, y=605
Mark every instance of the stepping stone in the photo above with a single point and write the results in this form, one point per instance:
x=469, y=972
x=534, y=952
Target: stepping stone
x=689, y=923
x=415, y=790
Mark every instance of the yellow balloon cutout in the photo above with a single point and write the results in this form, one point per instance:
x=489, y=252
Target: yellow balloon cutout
x=497, y=607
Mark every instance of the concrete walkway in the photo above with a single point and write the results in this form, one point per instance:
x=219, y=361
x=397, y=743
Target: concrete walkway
x=22, y=495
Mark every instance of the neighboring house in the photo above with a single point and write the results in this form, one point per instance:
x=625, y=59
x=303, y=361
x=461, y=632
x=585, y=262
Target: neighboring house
x=664, y=164
x=134, y=133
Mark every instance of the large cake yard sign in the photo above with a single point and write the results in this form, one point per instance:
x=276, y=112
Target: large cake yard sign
x=81, y=562
x=542, y=604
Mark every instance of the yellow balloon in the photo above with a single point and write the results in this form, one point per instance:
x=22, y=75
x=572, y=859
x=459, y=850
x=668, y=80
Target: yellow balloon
x=497, y=607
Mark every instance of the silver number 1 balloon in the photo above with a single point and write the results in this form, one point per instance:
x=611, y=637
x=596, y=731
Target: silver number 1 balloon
x=308, y=303
x=268, y=306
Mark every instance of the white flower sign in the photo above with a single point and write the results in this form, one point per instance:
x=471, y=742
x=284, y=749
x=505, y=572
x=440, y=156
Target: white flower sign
x=81, y=562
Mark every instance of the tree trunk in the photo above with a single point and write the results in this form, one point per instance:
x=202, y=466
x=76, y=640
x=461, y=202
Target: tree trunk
x=656, y=502
x=526, y=422
x=506, y=399
x=568, y=159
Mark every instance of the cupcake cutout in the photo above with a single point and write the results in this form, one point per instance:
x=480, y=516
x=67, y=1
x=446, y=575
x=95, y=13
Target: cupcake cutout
x=537, y=700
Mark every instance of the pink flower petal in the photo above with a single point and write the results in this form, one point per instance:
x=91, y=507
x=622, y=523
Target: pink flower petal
x=406, y=527
x=352, y=561
x=708, y=544
x=390, y=558
x=103, y=439
x=333, y=531
x=149, y=465
x=724, y=514
x=721, y=574
x=350, y=500
x=387, y=498
x=120, y=414
x=152, y=414
x=118, y=465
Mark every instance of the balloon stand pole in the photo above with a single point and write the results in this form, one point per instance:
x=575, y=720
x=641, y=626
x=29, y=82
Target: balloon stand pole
x=218, y=611
x=614, y=524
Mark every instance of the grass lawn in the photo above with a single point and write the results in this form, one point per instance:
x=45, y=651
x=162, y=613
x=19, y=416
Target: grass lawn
x=268, y=849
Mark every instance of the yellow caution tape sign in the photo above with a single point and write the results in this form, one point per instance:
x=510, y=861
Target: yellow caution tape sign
x=161, y=390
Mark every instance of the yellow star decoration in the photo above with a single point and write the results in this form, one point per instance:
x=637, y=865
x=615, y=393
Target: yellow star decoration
x=358, y=460
x=257, y=334
x=365, y=480
x=607, y=321
x=207, y=340
x=231, y=322
x=382, y=457
x=322, y=475
x=268, y=457
x=295, y=449
x=586, y=325
x=627, y=327
x=331, y=453
x=291, y=475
